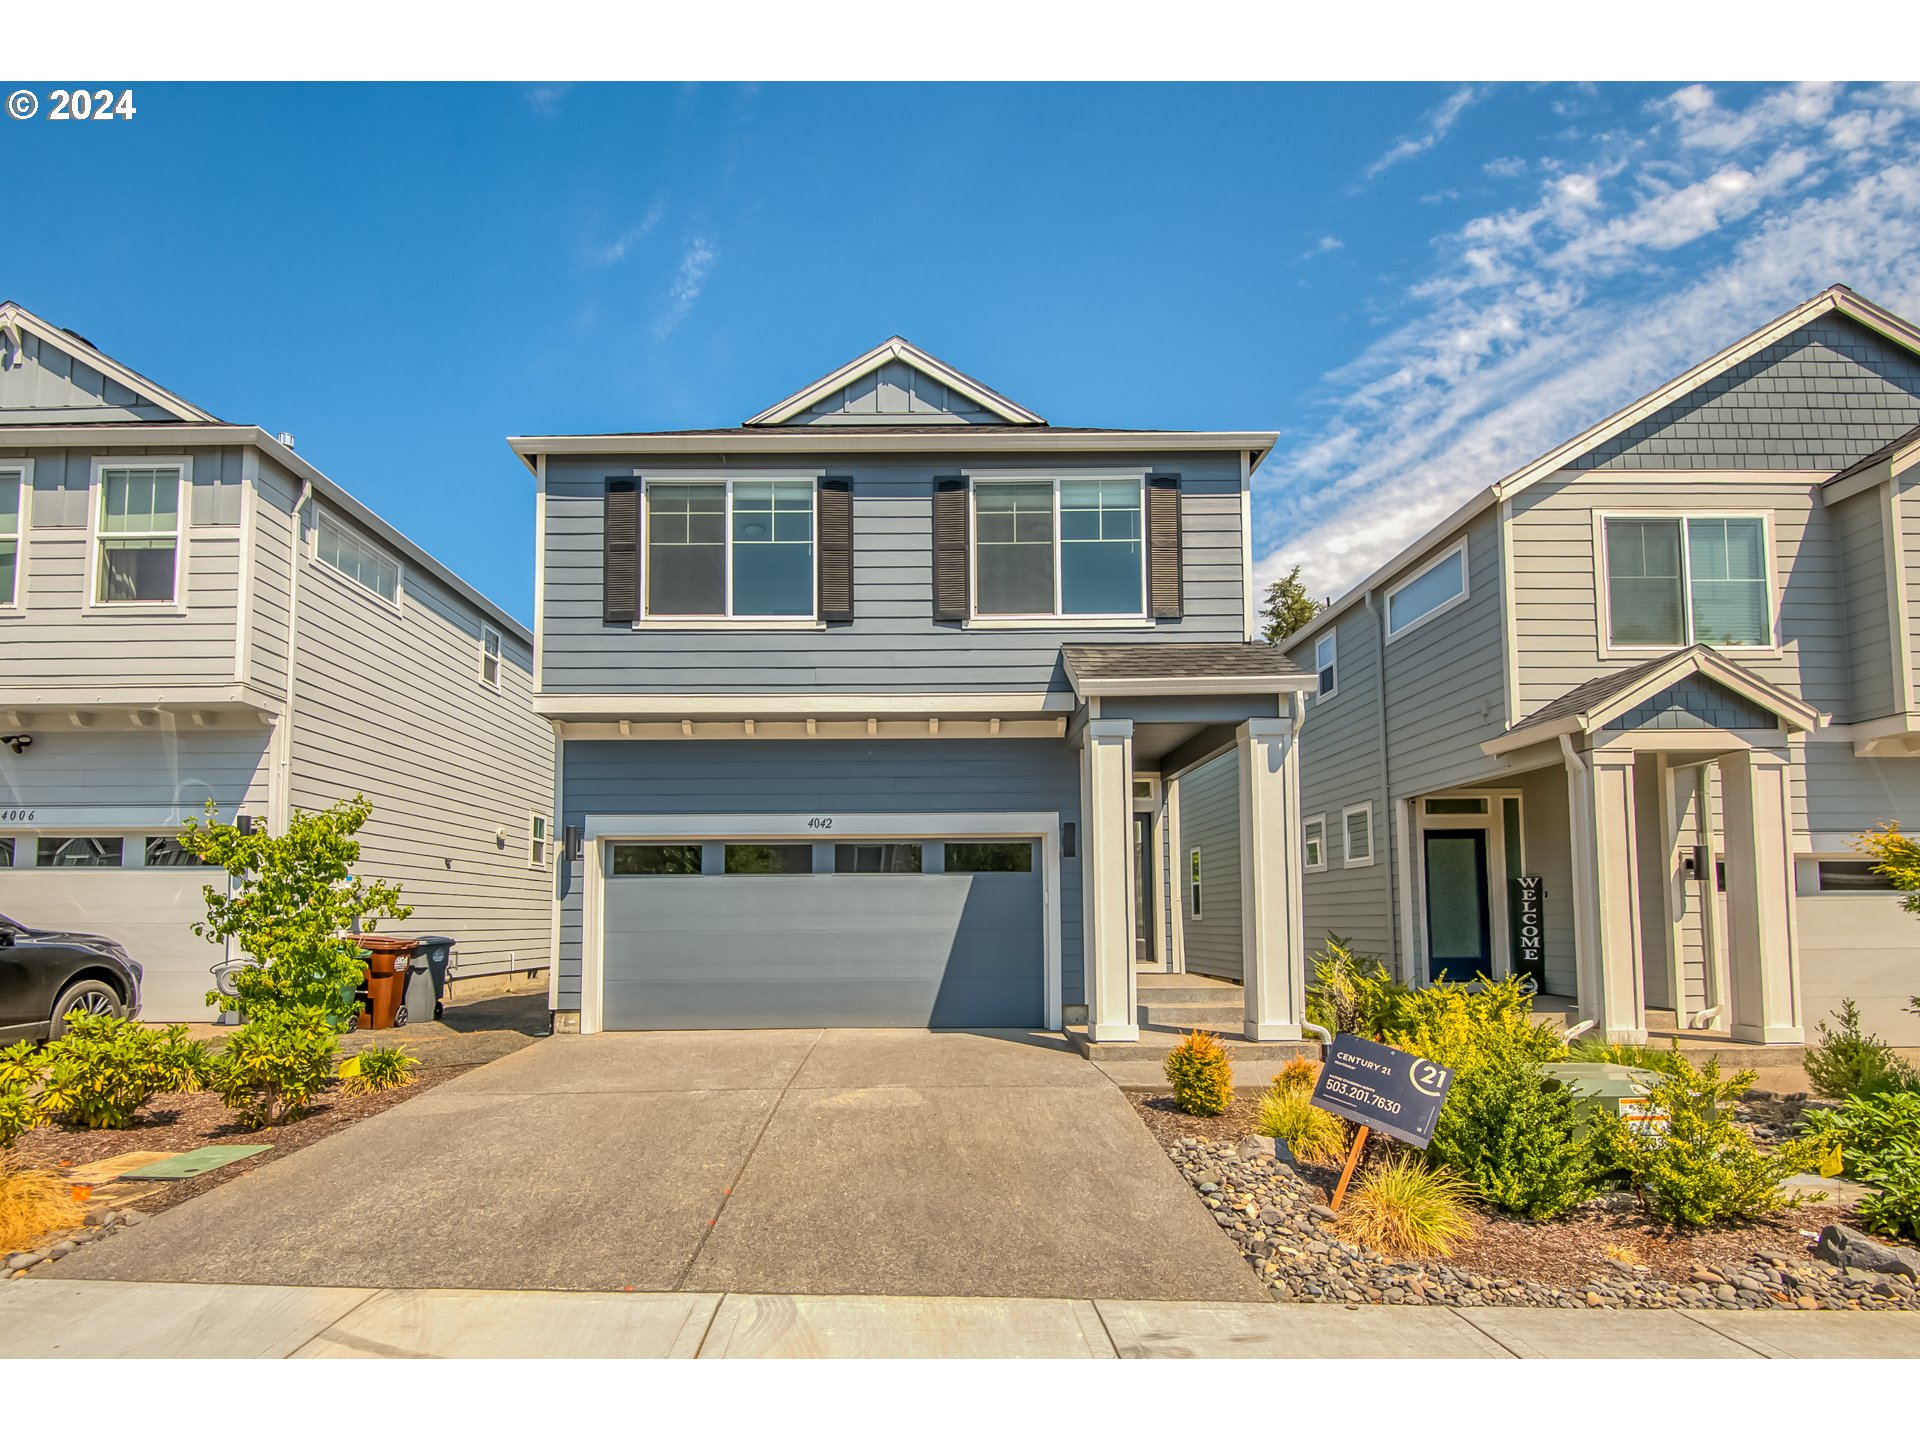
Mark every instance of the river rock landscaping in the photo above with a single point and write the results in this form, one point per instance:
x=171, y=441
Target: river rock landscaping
x=1606, y=1254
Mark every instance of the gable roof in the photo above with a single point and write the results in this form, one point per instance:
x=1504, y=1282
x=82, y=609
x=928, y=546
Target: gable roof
x=1587, y=707
x=16, y=318
x=1834, y=299
x=906, y=352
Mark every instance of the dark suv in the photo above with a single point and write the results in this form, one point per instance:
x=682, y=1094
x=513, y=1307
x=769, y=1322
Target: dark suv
x=46, y=974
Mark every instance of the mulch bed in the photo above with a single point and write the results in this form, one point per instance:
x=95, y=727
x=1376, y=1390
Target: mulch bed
x=181, y=1121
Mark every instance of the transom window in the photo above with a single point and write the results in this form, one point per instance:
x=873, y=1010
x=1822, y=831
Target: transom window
x=138, y=535
x=1440, y=586
x=1059, y=547
x=730, y=549
x=339, y=548
x=12, y=487
x=1691, y=580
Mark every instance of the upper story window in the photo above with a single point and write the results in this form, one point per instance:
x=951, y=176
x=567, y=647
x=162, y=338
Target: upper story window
x=1045, y=548
x=137, y=534
x=339, y=548
x=730, y=549
x=1325, y=658
x=1439, y=587
x=1688, y=580
x=490, y=656
x=12, y=495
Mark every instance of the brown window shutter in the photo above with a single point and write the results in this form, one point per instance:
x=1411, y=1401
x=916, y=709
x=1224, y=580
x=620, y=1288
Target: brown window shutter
x=835, y=520
x=620, y=556
x=950, y=563
x=1163, y=545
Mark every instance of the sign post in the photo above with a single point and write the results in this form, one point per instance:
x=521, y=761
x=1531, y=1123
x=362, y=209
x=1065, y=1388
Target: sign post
x=1380, y=1088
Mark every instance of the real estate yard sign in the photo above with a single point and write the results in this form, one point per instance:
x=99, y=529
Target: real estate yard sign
x=1382, y=1088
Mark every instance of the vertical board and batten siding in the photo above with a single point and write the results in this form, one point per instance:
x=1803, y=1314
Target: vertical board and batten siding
x=57, y=641
x=1859, y=538
x=1909, y=501
x=893, y=643
x=53, y=388
x=1546, y=838
x=1210, y=821
x=389, y=703
x=895, y=393
x=696, y=778
x=1340, y=766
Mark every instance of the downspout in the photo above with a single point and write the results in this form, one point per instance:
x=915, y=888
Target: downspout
x=1299, y=702
x=1387, y=818
x=1581, y=825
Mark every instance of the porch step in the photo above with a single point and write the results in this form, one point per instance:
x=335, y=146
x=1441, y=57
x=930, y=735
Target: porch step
x=1160, y=989
x=1222, y=1019
x=1251, y=1057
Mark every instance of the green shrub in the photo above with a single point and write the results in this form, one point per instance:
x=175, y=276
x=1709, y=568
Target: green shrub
x=18, y=1114
x=1895, y=1209
x=1316, y=1136
x=1594, y=1049
x=1701, y=1168
x=1510, y=1132
x=100, y=1072
x=1401, y=1207
x=1351, y=994
x=1865, y=1127
x=1464, y=1026
x=21, y=1065
x=274, y=1065
x=1845, y=1062
x=384, y=1067
x=178, y=1062
x=1298, y=1073
x=1201, y=1075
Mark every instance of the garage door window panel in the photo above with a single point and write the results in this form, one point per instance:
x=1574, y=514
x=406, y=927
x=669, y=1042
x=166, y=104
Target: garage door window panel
x=990, y=857
x=163, y=851
x=656, y=860
x=769, y=860
x=877, y=859
x=81, y=851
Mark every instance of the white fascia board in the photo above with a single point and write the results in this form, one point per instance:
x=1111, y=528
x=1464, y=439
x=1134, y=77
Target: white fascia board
x=849, y=439
x=722, y=707
x=1174, y=687
x=900, y=349
x=13, y=314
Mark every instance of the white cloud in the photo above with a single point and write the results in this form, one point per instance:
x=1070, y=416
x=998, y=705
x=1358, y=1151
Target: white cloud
x=1634, y=262
x=545, y=99
x=1439, y=123
x=696, y=264
x=622, y=244
x=1325, y=245
x=1504, y=167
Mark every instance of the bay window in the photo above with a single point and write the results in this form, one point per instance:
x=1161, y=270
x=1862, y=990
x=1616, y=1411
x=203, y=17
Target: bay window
x=1066, y=547
x=1688, y=580
x=730, y=549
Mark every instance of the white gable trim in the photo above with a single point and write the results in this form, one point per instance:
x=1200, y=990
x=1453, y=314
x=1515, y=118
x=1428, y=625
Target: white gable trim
x=909, y=354
x=11, y=314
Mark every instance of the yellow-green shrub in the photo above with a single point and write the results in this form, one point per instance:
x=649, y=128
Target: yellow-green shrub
x=1459, y=1027
x=1401, y=1208
x=1201, y=1075
x=1316, y=1136
x=1297, y=1074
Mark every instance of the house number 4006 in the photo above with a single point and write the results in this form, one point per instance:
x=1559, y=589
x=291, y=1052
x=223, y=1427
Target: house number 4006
x=16, y=815
x=820, y=822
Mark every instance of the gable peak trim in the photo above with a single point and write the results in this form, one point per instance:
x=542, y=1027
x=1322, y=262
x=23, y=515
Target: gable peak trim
x=896, y=347
x=15, y=318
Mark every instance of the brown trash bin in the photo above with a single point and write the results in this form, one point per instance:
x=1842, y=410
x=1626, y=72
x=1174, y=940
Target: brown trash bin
x=388, y=964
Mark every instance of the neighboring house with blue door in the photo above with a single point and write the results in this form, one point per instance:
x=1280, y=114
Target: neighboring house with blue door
x=1616, y=721
x=191, y=611
x=871, y=710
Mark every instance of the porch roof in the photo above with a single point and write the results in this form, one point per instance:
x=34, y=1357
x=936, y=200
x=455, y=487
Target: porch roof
x=1187, y=667
x=1589, y=706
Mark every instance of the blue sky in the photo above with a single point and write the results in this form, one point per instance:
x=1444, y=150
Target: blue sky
x=1422, y=286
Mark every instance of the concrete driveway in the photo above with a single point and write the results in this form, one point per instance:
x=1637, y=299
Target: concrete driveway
x=829, y=1162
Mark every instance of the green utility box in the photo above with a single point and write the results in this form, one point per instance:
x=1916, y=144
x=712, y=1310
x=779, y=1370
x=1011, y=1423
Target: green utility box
x=1620, y=1089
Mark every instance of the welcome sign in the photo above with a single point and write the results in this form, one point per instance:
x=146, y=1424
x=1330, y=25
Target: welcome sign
x=1382, y=1088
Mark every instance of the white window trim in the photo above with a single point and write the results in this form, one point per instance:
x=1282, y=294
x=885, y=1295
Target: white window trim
x=1195, y=877
x=23, y=471
x=1458, y=548
x=1132, y=619
x=1603, y=580
x=1331, y=641
x=359, y=587
x=1311, y=822
x=1347, y=859
x=96, y=498
x=539, y=832
x=730, y=621
x=499, y=656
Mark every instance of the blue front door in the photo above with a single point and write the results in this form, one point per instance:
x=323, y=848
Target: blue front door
x=1459, y=930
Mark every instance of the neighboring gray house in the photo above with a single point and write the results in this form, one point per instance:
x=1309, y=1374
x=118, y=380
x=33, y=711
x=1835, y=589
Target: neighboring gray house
x=870, y=708
x=1616, y=721
x=169, y=635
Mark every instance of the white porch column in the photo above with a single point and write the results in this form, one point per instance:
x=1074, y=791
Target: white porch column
x=1107, y=878
x=1606, y=905
x=1272, y=950
x=1763, y=951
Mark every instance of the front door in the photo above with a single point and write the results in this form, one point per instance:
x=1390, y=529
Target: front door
x=1459, y=928
x=1143, y=869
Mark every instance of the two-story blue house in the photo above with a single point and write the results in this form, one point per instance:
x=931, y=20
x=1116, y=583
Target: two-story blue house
x=873, y=711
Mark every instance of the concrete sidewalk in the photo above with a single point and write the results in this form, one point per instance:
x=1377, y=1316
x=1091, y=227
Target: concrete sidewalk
x=104, y=1319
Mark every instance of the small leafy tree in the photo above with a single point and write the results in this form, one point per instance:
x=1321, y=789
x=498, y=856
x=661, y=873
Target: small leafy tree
x=1845, y=1061
x=293, y=900
x=1288, y=607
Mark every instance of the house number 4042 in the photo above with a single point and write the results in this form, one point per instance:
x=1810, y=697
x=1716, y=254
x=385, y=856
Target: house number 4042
x=820, y=822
